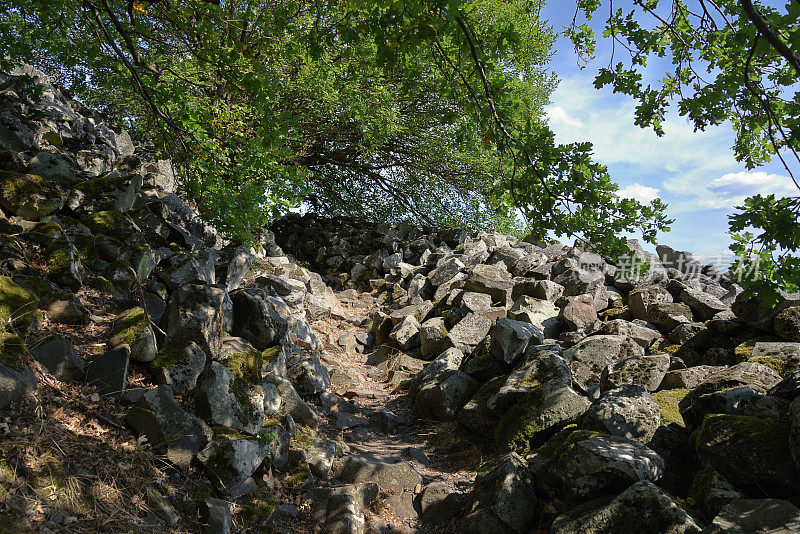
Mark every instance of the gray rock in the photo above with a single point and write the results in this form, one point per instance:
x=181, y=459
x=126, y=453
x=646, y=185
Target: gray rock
x=439, y=503
x=443, y=399
x=642, y=335
x=703, y=303
x=690, y=334
x=216, y=516
x=307, y=373
x=15, y=381
x=628, y=411
x=445, y=271
x=320, y=454
x=389, y=472
x=540, y=313
x=510, y=338
x=475, y=302
x=687, y=378
x=444, y=365
x=589, y=358
x=108, y=371
x=238, y=265
x=648, y=371
x=53, y=166
x=493, y=280
x=640, y=300
x=668, y=315
x=594, y=466
x=406, y=334
x=257, y=317
x=169, y=428
x=182, y=373
x=221, y=399
x=194, y=314
x=711, y=492
x=547, y=290
x=132, y=328
x=787, y=323
x=57, y=354
x=757, y=314
x=762, y=516
x=641, y=508
x=502, y=500
x=431, y=335
x=468, y=333
x=290, y=401
x=230, y=461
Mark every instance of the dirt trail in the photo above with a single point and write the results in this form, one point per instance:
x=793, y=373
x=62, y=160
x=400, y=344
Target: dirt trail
x=360, y=390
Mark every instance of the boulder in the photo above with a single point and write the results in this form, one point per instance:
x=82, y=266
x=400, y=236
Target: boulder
x=431, y=336
x=132, y=328
x=391, y=473
x=628, y=411
x=58, y=356
x=640, y=300
x=668, y=315
x=582, y=465
x=108, y=372
x=750, y=452
x=641, y=334
x=168, y=428
x=541, y=313
x=468, y=333
x=16, y=378
x=406, y=334
x=706, y=305
x=257, y=317
x=510, y=338
x=443, y=399
x=438, y=503
x=502, y=500
x=194, y=314
x=787, y=323
x=745, y=516
x=589, y=357
x=17, y=304
x=640, y=508
x=307, y=373
x=221, y=399
x=179, y=364
x=577, y=312
x=648, y=371
x=231, y=459
x=445, y=271
x=493, y=280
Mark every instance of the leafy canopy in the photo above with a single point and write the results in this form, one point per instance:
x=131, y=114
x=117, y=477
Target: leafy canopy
x=424, y=110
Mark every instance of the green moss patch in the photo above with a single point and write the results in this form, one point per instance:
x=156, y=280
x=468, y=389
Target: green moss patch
x=744, y=351
x=16, y=302
x=782, y=367
x=245, y=365
x=520, y=424
x=559, y=447
x=668, y=400
x=110, y=223
x=256, y=510
x=12, y=351
x=762, y=433
x=128, y=326
x=169, y=354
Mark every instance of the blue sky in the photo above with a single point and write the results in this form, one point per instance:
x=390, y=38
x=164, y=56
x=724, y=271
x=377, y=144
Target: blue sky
x=695, y=173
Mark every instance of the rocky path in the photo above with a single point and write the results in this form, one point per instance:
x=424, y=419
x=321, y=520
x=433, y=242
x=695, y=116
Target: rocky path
x=424, y=469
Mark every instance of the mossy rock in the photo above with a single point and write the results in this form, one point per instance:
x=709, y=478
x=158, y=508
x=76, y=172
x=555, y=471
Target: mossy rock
x=17, y=304
x=245, y=365
x=101, y=284
x=255, y=510
x=64, y=262
x=560, y=445
x=129, y=326
x=752, y=453
x=29, y=196
x=95, y=187
x=12, y=351
x=107, y=223
x=744, y=351
x=668, y=400
x=170, y=353
x=782, y=367
x=44, y=233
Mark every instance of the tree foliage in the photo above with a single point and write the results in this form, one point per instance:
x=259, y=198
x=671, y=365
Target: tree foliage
x=732, y=60
x=424, y=110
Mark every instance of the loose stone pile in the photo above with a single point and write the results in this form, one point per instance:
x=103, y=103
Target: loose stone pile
x=660, y=403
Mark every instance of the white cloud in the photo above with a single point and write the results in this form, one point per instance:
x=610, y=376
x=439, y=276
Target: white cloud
x=730, y=190
x=639, y=192
x=559, y=115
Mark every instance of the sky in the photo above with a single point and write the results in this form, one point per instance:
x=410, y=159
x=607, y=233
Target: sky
x=695, y=173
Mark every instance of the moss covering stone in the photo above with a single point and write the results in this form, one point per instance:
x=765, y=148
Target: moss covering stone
x=560, y=445
x=17, y=304
x=668, y=400
x=28, y=195
x=245, y=365
x=270, y=354
x=170, y=353
x=782, y=367
x=744, y=351
x=128, y=326
x=110, y=223
x=520, y=423
x=255, y=510
x=12, y=351
x=101, y=284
